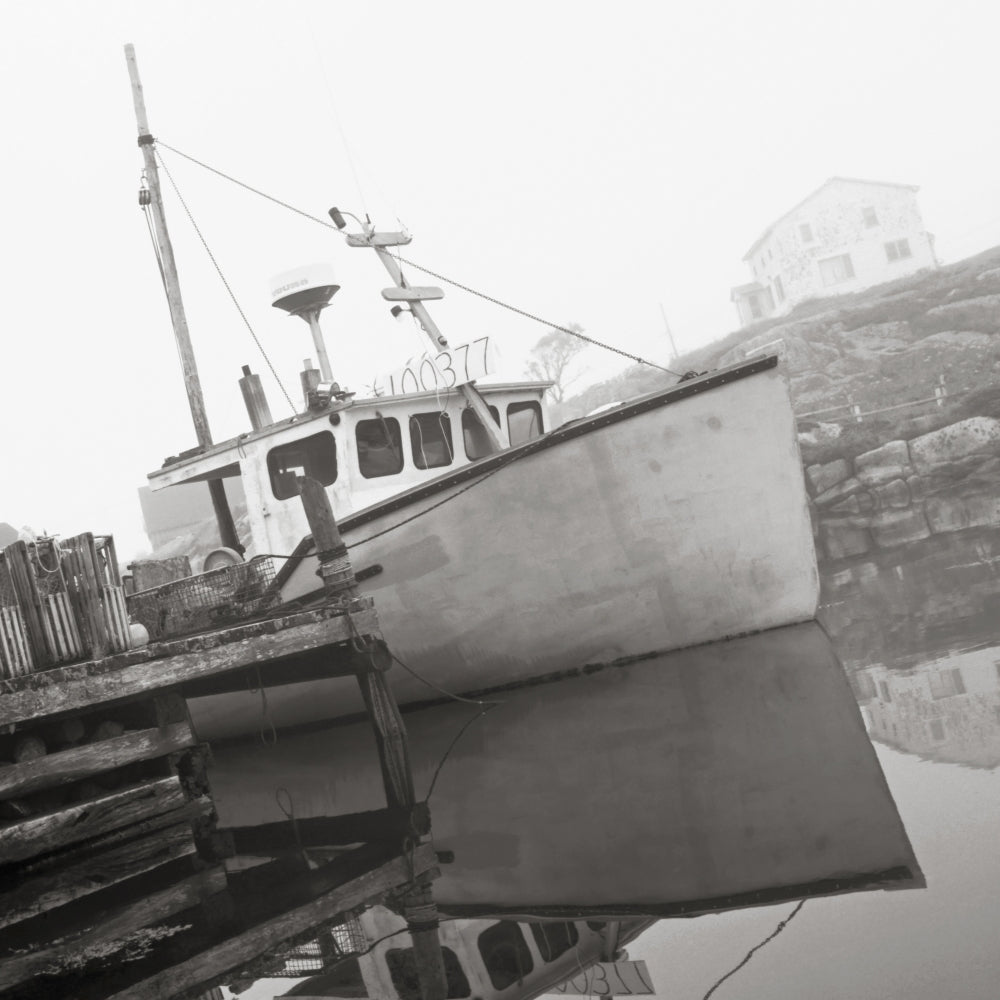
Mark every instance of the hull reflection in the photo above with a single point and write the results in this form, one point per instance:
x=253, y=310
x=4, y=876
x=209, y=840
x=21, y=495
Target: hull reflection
x=738, y=773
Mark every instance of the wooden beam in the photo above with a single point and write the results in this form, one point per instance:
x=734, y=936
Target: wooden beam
x=117, y=926
x=191, y=813
x=81, y=762
x=92, y=874
x=50, y=831
x=128, y=675
x=237, y=951
x=380, y=825
x=390, y=738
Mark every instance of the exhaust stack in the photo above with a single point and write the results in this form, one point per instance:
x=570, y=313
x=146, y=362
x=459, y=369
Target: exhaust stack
x=255, y=400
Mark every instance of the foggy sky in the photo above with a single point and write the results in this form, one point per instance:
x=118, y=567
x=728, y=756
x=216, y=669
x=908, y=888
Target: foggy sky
x=581, y=161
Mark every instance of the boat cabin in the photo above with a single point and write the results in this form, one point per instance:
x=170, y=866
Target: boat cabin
x=362, y=451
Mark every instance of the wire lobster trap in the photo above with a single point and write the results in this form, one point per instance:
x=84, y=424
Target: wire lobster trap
x=69, y=596
x=206, y=601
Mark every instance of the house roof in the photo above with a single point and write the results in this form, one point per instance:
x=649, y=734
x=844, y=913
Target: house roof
x=850, y=180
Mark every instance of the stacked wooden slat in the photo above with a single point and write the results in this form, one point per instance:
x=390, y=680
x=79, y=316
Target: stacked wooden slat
x=15, y=650
x=63, y=601
x=100, y=820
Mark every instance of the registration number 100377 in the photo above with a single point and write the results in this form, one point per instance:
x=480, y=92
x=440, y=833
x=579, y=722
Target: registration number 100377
x=444, y=370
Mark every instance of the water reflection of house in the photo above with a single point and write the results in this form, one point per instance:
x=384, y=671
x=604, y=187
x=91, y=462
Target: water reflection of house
x=946, y=710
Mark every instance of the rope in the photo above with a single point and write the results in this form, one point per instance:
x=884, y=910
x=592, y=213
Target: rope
x=777, y=930
x=290, y=816
x=537, y=319
x=265, y=710
x=484, y=706
x=247, y=187
x=488, y=707
x=433, y=274
x=215, y=264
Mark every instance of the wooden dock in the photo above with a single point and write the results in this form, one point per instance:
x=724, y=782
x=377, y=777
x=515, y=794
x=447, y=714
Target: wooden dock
x=115, y=879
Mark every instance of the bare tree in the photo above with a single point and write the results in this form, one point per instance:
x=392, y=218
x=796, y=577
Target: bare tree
x=551, y=357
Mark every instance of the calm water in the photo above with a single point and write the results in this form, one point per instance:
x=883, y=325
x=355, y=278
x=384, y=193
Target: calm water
x=920, y=638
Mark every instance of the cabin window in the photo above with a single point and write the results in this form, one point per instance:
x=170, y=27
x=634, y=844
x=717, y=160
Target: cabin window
x=779, y=288
x=554, y=939
x=430, y=440
x=870, y=216
x=505, y=954
x=524, y=422
x=314, y=456
x=380, y=447
x=403, y=970
x=477, y=441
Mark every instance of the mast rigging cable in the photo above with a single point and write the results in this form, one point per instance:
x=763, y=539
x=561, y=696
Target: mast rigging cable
x=417, y=267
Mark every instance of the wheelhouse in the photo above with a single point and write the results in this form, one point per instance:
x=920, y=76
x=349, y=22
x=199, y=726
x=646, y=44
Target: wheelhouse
x=362, y=452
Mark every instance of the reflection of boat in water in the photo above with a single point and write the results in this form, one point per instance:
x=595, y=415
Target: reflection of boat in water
x=674, y=786
x=490, y=959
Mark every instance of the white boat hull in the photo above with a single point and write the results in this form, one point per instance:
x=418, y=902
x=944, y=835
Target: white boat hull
x=657, y=526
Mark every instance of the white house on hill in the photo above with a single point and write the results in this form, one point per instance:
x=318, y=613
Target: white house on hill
x=847, y=235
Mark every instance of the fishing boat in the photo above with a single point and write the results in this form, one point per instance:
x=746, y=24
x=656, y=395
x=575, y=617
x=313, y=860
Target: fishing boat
x=498, y=548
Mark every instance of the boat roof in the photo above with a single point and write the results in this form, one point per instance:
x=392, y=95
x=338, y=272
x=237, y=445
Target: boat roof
x=221, y=461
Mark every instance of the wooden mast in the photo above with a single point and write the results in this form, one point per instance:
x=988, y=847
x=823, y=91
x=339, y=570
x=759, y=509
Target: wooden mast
x=196, y=401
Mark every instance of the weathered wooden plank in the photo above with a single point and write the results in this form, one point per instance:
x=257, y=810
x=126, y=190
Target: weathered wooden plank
x=192, y=813
x=112, y=927
x=94, y=873
x=242, y=948
x=79, y=685
x=93, y=758
x=50, y=831
x=380, y=825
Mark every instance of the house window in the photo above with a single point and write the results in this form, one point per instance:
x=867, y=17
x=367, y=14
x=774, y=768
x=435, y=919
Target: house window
x=754, y=302
x=834, y=270
x=505, y=954
x=898, y=249
x=805, y=231
x=380, y=447
x=477, y=441
x=430, y=440
x=314, y=456
x=870, y=217
x=884, y=688
x=937, y=730
x=403, y=969
x=779, y=288
x=554, y=939
x=524, y=422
